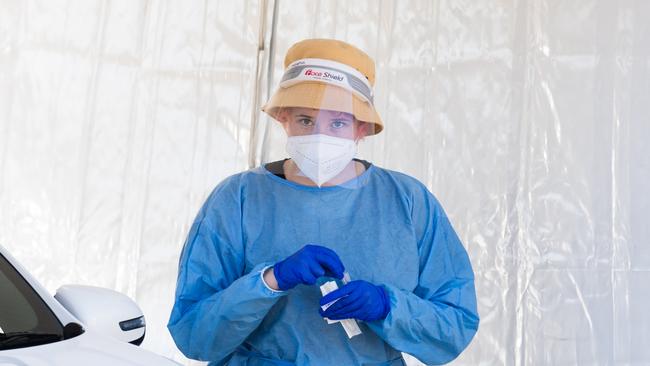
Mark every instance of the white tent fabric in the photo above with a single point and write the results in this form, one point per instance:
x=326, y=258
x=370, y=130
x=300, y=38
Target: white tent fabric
x=527, y=118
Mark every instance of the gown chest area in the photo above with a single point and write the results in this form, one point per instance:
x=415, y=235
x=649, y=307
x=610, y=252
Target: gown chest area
x=371, y=233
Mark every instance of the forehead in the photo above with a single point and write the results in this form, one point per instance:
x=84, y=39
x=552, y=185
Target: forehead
x=296, y=111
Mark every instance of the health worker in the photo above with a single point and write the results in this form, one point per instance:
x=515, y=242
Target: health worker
x=248, y=290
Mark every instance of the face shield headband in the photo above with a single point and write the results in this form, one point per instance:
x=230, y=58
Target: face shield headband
x=329, y=72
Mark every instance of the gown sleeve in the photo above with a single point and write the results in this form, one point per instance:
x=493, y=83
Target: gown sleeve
x=438, y=319
x=217, y=306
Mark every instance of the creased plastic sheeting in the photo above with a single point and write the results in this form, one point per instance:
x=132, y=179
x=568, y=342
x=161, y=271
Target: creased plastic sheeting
x=117, y=118
x=528, y=120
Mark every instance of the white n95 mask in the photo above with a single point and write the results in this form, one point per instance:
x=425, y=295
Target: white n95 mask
x=321, y=157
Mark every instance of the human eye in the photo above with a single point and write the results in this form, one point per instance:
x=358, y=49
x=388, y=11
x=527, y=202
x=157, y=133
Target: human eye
x=340, y=123
x=305, y=121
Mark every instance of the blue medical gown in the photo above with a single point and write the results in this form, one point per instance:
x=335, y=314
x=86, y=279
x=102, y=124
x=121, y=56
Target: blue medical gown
x=386, y=227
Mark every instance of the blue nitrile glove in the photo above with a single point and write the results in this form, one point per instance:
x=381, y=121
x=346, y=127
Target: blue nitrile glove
x=358, y=300
x=306, y=266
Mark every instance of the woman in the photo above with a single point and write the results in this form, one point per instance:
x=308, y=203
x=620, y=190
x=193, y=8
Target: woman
x=248, y=286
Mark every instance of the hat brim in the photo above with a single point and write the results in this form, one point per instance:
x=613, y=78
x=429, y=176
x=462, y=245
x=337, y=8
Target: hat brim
x=318, y=95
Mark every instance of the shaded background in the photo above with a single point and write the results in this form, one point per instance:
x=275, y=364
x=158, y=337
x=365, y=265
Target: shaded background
x=528, y=119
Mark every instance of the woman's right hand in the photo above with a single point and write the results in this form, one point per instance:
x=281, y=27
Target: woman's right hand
x=306, y=266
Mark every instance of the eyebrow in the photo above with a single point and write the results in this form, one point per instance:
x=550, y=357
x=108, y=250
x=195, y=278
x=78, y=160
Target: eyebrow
x=340, y=116
x=344, y=117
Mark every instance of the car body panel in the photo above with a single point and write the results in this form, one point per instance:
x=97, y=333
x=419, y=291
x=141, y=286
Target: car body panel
x=89, y=348
x=86, y=349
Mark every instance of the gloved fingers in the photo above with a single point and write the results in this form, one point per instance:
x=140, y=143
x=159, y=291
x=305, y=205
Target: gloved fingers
x=316, y=269
x=343, y=302
x=352, y=311
x=307, y=277
x=320, y=250
x=340, y=292
x=330, y=261
x=332, y=268
x=341, y=310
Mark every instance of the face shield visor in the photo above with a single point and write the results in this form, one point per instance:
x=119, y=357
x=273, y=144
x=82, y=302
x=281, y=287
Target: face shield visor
x=325, y=108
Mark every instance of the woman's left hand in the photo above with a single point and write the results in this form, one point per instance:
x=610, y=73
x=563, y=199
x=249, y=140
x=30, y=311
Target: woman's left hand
x=357, y=300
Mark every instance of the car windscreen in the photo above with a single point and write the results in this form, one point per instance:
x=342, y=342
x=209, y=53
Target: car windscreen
x=25, y=319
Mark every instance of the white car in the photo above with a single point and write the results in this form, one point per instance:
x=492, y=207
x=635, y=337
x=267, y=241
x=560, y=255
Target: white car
x=80, y=325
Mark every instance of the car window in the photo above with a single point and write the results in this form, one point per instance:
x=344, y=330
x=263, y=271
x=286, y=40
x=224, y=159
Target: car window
x=21, y=309
x=15, y=312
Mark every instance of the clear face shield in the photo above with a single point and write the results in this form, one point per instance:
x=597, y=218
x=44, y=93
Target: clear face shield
x=325, y=108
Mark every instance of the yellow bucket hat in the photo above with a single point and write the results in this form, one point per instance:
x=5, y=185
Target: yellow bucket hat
x=327, y=74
